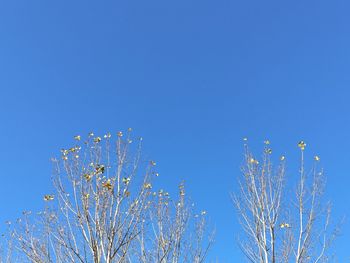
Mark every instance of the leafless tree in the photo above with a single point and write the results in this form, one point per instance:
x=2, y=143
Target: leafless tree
x=104, y=209
x=6, y=244
x=280, y=226
x=174, y=236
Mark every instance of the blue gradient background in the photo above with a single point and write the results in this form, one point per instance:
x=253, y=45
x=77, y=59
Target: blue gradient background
x=191, y=77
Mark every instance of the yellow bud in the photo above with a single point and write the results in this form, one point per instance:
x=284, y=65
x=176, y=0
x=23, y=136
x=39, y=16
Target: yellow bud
x=48, y=197
x=302, y=145
x=147, y=186
x=97, y=139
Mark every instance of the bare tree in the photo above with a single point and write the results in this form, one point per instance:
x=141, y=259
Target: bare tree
x=104, y=209
x=175, y=236
x=6, y=245
x=279, y=226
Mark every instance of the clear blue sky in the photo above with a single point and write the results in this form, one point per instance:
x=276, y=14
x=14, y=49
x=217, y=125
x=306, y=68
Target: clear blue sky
x=192, y=77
